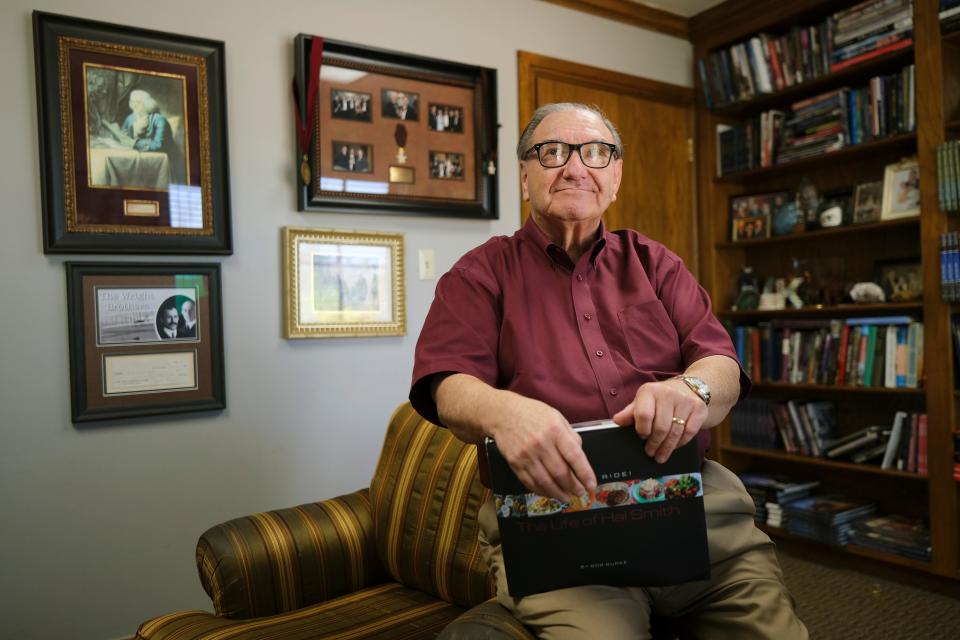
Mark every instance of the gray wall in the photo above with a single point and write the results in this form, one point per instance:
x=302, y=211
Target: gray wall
x=98, y=525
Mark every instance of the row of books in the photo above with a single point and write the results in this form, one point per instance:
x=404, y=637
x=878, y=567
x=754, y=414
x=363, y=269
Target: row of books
x=901, y=445
x=797, y=427
x=766, y=63
x=949, y=15
x=948, y=175
x=885, y=351
x=827, y=122
x=950, y=266
x=790, y=504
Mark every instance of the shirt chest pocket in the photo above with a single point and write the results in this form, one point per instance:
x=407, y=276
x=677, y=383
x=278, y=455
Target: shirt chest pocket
x=651, y=338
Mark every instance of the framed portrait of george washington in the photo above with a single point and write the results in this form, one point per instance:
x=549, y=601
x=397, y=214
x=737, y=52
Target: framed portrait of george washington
x=145, y=339
x=386, y=132
x=133, y=139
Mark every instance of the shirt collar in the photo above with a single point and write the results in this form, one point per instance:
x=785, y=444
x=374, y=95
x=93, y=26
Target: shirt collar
x=530, y=231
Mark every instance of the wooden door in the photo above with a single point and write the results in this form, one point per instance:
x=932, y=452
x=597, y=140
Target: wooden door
x=655, y=120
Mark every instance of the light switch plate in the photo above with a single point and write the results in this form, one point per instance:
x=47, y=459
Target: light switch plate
x=428, y=270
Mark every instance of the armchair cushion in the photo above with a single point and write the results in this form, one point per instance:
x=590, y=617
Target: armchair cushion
x=284, y=560
x=425, y=495
x=385, y=611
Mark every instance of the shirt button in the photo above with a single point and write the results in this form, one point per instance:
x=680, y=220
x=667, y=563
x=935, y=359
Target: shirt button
x=580, y=277
x=587, y=316
x=599, y=353
x=613, y=392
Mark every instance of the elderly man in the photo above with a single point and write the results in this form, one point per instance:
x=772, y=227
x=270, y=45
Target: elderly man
x=564, y=322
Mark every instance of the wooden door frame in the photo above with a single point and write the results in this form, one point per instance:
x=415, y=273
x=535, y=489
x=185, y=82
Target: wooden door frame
x=531, y=67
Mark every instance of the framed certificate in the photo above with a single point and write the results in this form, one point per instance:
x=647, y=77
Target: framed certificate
x=145, y=339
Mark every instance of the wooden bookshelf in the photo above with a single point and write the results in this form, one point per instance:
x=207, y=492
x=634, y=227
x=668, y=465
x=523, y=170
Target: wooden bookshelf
x=876, y=66
x=858, y=249
x=901, y=144
x=834, y=311
x=819, y=234
x=781, y=456
x=805, y=388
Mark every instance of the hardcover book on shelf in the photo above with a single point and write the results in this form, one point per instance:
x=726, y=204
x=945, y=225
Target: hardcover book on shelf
x=644, y=526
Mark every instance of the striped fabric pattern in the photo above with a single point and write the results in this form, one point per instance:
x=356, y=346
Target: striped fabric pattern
x=284, y=560
x=425, y=495
x=488, y=621
x=389, y=611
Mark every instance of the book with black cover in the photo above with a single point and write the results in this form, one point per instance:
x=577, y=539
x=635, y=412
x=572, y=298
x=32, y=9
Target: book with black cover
x=643, y=526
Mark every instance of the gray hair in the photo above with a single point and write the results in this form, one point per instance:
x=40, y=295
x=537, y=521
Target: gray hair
x=139, y=95
x=542, y=112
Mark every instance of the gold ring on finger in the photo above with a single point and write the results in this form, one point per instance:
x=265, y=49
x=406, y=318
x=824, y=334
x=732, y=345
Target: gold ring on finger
x=679, y=421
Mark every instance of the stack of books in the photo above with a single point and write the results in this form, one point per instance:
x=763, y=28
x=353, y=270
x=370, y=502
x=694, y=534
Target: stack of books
x=877, y=351
x=752, y=425
x=827, y=122
x=870, y=29
x=769, y=491
x=899, y=535
x=827, y=519
x=901, y=445
x=948, y=175
x=766, y=63
x=950, y=266
x=949, y=15
x=815, y=126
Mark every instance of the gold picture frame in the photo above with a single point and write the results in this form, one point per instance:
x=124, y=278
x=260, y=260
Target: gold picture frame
x=343, y=284
x=901, y=190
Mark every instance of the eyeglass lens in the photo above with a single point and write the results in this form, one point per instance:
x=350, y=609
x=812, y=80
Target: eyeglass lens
x=595, y=155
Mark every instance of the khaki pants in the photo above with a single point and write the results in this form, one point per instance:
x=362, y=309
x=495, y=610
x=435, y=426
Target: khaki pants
x=744, y=599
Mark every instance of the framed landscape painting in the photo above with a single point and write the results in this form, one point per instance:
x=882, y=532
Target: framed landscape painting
x=385, y=132
x=343, y=284
x=145, y=339
x=133, y=139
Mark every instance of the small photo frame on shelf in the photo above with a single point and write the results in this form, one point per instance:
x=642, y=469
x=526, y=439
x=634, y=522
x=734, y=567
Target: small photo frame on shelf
x=901, y=280
x=145, y=339
x=867, y=202
x=343, y=284
x=133, y=132
x=420, y=106
x=901, y=190
x=751, y=216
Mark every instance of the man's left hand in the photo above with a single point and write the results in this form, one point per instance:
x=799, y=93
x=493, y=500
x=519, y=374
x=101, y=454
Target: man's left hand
x=668, y=414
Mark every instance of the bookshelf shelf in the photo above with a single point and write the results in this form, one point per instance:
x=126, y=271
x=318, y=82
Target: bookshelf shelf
x=835, y=389
x=903, y=143
x=890, y=558
x=869, y=68
x=835, y=311
x=814, y=236
x=782, y=456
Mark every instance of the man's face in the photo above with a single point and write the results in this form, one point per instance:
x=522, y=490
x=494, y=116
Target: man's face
x=187, y=310
x=170, y=318
x=572, y=192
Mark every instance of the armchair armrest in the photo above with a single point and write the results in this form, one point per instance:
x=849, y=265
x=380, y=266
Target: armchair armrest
x=279, y=561
x=486, y=621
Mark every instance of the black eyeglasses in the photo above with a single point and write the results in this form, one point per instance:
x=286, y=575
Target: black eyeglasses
x=553, y=154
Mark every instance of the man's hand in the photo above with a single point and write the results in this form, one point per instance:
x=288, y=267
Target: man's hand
x=668, y=414
x=541, y=448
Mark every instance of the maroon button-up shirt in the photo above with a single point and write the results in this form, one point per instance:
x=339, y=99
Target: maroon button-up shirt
x=518, y=314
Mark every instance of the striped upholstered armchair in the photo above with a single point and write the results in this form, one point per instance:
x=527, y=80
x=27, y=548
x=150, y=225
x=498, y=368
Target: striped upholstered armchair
x=397, y=560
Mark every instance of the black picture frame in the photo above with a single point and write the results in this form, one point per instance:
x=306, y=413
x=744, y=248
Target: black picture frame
x=122, y=364
x=431, y=80
x=133, y=139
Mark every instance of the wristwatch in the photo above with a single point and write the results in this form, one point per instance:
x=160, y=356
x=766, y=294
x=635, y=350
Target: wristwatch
x=698, y=386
